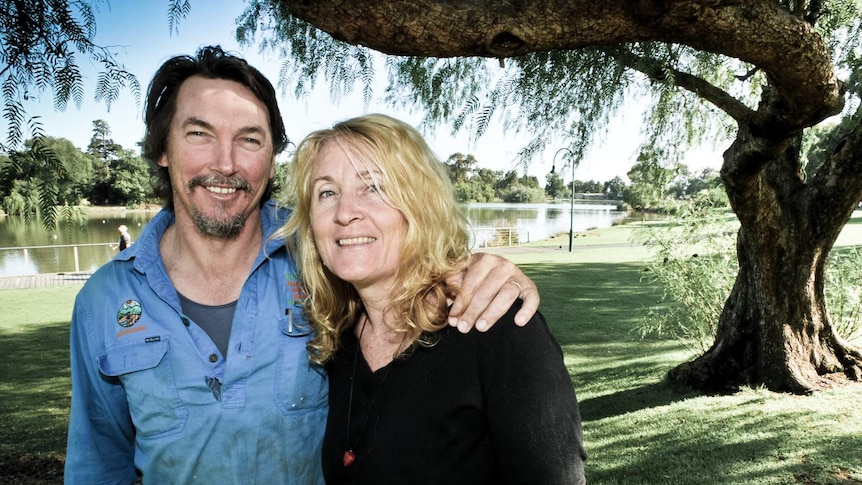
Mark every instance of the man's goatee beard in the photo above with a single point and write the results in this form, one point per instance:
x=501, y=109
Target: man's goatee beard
x=228, y=229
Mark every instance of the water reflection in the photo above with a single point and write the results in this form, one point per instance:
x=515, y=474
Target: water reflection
x=535, y=222
x=95, y=235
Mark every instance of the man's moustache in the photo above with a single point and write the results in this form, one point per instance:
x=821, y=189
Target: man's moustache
x=238, y=183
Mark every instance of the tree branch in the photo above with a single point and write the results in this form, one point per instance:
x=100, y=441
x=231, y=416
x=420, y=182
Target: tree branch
x=699, y=86
x=749, y=30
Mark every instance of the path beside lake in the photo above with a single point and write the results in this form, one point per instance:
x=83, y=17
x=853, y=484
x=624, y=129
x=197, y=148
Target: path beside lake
x=42, y=280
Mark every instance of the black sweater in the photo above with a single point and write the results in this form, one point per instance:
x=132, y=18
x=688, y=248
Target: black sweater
x=494, y=407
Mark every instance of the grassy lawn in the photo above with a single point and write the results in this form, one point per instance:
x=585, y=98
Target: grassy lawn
x=34, y=383
x=637, y=430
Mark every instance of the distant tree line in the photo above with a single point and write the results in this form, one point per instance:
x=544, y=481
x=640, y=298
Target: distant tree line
x=653, y=184
x=103, y=174
x=474, y=184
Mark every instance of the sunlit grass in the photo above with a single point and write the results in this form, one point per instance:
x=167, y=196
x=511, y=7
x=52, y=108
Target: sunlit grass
x=754, y=436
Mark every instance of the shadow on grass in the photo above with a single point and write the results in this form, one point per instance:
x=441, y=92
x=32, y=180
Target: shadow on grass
x=740, y=439
x=593, y=310
x=641, y=430
x=31, y=470
x=34, y=389
x=631, y=400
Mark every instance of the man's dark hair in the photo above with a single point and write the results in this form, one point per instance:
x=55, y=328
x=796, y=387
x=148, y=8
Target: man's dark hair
x=213, y=63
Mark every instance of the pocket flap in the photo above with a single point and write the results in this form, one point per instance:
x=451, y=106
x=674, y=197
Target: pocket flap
x=294, y=324
x=132, y=358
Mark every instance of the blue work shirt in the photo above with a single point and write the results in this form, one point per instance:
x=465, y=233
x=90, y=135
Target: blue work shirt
x=150, y=390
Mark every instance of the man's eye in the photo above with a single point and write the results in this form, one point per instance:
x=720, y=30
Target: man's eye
x=250, y=143
x=197, y=137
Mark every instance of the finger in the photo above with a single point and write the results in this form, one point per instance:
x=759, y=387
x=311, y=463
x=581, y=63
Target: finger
x=485, y=295
x=531, y=300
x=456, y=307
x=471, y=281
x=513, y=289
x=498, y=307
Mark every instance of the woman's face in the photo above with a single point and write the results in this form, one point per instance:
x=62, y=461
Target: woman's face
x=357, y=233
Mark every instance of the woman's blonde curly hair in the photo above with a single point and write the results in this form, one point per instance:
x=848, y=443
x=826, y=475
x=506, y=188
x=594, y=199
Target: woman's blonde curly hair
x=415, y=183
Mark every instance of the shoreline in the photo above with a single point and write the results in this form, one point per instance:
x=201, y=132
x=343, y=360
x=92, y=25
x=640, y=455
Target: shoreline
x=103, y=209
x=100, y=209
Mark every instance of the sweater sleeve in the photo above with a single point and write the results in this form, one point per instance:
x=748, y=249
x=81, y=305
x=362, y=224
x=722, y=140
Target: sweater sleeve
x=531, y=408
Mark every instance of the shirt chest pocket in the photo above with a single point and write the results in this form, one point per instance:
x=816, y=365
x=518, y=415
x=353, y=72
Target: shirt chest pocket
x=300, y=386
x=150, y=387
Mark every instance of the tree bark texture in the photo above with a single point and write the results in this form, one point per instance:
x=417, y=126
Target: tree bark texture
x=775, y=329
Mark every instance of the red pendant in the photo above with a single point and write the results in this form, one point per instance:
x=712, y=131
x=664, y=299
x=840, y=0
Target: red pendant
x=349, y=458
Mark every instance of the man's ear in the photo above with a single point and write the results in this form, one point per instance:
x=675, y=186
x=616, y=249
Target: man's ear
x=163, y=160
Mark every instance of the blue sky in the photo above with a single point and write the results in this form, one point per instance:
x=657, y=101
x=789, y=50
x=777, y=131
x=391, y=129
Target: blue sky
x=139, y=33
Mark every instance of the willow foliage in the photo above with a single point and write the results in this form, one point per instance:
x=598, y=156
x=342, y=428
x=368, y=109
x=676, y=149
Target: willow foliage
x=40, y=45
x=556, y=97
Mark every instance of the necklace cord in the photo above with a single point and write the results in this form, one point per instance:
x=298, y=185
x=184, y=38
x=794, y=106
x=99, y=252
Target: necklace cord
x=349, y=454
x=353, y=378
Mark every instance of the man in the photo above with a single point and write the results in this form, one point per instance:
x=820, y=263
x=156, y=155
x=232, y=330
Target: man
x=125, y=238
x=188, y=351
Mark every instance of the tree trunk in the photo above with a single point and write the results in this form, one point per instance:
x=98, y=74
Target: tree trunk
x=775, y=330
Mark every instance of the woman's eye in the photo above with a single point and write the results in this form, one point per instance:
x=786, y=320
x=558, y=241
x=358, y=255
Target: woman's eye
x=326, y=193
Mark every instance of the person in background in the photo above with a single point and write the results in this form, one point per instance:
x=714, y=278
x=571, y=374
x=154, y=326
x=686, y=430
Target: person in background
x=188, y=350
x=411, y=400
x=125, y=239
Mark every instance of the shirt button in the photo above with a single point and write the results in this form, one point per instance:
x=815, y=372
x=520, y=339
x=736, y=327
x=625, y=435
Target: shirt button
x=213, y=358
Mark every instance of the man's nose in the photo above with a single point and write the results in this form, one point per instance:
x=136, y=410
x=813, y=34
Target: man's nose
x=223, y=160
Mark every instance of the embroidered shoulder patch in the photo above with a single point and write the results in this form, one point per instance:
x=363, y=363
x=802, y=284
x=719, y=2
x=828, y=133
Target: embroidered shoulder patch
x=129, y=313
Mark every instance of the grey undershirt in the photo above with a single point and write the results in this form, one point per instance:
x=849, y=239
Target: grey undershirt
x=215, y=320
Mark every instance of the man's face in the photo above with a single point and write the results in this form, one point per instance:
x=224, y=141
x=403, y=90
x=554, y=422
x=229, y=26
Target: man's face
x=219, y=155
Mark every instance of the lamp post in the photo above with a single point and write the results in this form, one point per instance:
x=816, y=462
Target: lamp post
x=572, y=209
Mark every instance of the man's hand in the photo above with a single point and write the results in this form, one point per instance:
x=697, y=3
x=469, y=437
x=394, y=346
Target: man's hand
x=492, y=284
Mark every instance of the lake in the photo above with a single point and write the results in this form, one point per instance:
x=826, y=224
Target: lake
x=535, y=222
x=519, y=222
x=52, y=254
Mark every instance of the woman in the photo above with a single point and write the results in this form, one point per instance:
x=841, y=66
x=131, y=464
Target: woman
x=412, y=400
